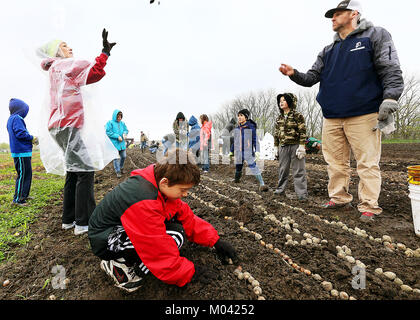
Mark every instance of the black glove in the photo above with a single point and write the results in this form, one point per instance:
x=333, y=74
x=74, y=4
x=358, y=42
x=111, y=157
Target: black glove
x=225, y=251
x=107, y=46
x=203, y=275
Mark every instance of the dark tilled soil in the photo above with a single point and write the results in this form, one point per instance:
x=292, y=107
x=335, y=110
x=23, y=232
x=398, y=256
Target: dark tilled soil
x=32, y=274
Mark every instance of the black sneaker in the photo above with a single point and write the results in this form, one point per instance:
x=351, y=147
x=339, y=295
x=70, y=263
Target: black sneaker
x=124, y=276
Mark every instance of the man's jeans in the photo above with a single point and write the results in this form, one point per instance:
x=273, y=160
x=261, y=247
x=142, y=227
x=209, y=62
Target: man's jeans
x=119, y=163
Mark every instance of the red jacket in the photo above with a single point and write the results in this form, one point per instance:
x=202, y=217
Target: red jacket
x=205, y=135
x=66, y=78
x=143, y=218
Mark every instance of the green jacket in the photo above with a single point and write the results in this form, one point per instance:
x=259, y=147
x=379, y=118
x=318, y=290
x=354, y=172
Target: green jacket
x=290, y=129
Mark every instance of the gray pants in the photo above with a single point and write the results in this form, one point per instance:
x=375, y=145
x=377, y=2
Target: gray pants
x=287, y=158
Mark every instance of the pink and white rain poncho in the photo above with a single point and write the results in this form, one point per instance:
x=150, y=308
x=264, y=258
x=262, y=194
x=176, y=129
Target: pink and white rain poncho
x=71, y=138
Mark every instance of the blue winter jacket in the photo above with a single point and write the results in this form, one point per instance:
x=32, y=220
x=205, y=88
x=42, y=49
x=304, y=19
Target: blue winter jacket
x=355, y=74
x=194, y=134
x=115, y=129
x=19, y=138
x=245, y=139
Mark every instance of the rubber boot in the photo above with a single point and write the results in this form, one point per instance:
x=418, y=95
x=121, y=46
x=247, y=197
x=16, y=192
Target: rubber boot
x=263, y=187
x=238, y=176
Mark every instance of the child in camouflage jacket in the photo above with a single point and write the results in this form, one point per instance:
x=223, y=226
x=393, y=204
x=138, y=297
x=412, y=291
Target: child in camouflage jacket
x=289, y=140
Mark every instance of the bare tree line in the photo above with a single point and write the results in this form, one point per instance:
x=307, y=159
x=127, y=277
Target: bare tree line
x=264, y=110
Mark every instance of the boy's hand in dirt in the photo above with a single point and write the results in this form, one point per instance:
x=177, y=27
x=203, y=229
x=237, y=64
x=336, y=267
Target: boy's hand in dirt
x=225, y=251
x=203, y=275
x=287, y=70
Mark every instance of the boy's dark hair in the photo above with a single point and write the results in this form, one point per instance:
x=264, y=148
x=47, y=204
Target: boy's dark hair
x=204, y=117
x=178, y=167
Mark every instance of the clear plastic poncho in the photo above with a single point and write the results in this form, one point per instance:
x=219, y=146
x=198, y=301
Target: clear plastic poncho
x=70, y=137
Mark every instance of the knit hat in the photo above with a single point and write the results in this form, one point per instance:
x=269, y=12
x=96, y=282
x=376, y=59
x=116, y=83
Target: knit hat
x=245, y=112
x=290, y=98
x=50, y=49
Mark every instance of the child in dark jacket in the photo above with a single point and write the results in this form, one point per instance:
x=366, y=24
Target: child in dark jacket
x=21, y=149
x=139, y=227
x=246, y=147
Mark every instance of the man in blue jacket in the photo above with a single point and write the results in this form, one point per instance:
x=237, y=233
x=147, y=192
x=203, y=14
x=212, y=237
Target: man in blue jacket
x=117, y=131
x=21, y=148
x=360, y=84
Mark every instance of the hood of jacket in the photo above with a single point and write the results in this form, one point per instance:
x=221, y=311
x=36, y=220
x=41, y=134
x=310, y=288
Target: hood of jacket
x=291, y=101
x=180, y=115
x=115, y=113
x=362, y=26
x=18, y=107
x=47, y=63
x=193, y=121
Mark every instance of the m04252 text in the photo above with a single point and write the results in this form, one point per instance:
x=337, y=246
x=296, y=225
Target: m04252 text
x=239, y=309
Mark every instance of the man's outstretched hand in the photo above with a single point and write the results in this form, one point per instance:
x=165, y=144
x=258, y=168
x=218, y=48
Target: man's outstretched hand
x=287, y=70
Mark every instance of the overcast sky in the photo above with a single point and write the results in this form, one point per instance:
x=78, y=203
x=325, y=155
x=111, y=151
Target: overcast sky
x=182, y=55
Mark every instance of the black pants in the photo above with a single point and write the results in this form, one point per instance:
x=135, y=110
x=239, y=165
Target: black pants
x=79, y=199
x=120, y=246
x=23, y=168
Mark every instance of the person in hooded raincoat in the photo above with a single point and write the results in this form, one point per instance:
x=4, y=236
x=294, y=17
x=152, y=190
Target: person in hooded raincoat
x=117, y=131
x=66, y=119
x=194, y=136
x=21, y=148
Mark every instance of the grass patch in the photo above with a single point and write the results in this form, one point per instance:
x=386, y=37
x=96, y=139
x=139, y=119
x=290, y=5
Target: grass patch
x=389, y=141
x=46, y=189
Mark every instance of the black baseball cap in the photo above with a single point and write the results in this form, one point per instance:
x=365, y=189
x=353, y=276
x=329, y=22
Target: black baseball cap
x=345, y=5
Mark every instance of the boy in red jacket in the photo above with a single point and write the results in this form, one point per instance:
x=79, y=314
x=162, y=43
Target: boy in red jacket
x=141, y=225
